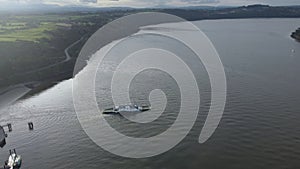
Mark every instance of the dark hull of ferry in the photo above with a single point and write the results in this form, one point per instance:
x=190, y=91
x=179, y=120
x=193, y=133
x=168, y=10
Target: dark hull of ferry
x=112, y=111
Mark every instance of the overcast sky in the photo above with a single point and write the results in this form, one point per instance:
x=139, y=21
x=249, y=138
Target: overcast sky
x=151, y=3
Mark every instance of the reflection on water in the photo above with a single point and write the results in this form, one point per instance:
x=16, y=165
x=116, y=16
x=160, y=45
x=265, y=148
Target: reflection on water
x=260, y=127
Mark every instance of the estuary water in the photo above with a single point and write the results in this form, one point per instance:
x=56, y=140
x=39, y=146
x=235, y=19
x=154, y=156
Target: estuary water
x=259, y=129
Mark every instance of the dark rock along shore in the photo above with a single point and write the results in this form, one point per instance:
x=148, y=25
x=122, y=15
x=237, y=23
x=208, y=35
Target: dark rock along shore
x=296, y=35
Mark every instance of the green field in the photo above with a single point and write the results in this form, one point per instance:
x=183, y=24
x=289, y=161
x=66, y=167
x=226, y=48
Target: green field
x=55, y=17
x=34, y=28
x=18, y=32
x=13, y=26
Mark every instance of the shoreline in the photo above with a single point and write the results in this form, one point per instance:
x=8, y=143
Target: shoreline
x=13, y=93
x=19, y=91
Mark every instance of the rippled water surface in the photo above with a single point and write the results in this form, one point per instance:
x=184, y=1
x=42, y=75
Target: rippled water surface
x=260, y=127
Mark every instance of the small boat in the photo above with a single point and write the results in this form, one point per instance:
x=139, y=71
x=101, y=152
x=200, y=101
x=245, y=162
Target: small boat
x=14, y=161
x=126, y=108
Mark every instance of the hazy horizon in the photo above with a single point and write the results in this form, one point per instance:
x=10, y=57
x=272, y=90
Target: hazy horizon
x=9, y=4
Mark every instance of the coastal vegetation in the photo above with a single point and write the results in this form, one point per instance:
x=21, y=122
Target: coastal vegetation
x=14, y=32
x=32, y=46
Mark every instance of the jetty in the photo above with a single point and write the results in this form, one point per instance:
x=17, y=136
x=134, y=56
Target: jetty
x=2, y=137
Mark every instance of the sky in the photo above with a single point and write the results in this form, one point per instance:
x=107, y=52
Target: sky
x=150, y=3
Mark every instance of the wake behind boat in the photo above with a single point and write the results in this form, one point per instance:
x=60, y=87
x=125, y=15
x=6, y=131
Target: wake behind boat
x=126, y=108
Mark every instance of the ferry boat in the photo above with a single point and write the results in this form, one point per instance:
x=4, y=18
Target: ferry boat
x=126, y=108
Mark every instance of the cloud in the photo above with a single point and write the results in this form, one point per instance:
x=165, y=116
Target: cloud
x=200, y=1
x=88, y=1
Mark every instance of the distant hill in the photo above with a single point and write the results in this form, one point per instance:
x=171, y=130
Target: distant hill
x=14, y=7
x=192, y=7
x=45, y=8
x=252, y=11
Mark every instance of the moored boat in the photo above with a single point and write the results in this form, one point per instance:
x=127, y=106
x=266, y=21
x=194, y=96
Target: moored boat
x=14, y=160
